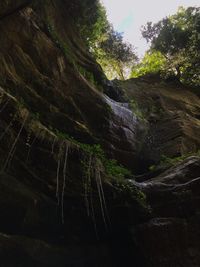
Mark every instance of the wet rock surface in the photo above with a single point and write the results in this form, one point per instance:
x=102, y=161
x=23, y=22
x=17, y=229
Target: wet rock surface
x=172, y=112
x=126, y=131
x=174, y=232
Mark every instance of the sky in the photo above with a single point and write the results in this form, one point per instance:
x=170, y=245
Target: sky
x=128, y=16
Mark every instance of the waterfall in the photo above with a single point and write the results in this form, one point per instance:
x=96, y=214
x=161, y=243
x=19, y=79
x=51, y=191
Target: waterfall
x=123, y=118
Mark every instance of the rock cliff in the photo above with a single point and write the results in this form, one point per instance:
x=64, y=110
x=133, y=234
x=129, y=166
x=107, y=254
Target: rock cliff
x=65, y=133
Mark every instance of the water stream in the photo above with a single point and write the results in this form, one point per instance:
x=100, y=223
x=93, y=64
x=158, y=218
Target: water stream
x=124, y=118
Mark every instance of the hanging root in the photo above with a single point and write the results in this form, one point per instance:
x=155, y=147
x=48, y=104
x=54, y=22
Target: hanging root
x=87, y=184
x=93, y=169
x=58, y=173
x=57, y=181
x=8, y=127
x=93, y=215
x=53, y=145
x=62, y=154
x=12, y=150
x=4, y=106
x=104, y=210
x=64, y=179
x=97, y=179
x=31, y=145
x=104, y=201
x=28, y=138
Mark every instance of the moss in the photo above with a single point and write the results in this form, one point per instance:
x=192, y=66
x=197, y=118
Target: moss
x=87, y=74
x=132, y=193
x=169, y=162
x=174, y=161
x=94, y=161
x=60, y=44
x=67, y=51
x=112, y=168
x=60, y=135
x=152, y=168
x=136, y=110
x=156, y=109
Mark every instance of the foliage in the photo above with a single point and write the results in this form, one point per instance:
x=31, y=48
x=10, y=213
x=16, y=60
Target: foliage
x=115, y=56
x=67, y=51
x=136, y=110
x=131, y=192
x=92, y=23
x=177, y=37
x=60, y=44
x=169, y=162
x=112, y=168
x=174, y=161
x=153, y=63
x=108, y=47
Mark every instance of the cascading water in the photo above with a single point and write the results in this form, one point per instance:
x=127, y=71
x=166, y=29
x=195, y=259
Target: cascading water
x=123, y=118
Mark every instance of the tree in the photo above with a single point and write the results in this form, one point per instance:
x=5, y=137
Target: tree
x=107, y=45
x=153, y=62
x=115, y=56
x=92, y=23
x=177, y=37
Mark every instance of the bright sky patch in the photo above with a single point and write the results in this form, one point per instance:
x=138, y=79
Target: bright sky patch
x=126, y=23
x=129, y=15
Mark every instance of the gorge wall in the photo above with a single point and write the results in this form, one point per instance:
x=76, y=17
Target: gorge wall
x=65, y=133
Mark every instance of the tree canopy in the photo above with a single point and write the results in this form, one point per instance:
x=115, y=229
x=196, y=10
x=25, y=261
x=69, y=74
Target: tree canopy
x=174, y=51
x=115, y=56
x=107, y=45
x=177, y=38
x=153, y=62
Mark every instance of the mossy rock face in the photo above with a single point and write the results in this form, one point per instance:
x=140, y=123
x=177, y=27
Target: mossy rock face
x=50, y=115
x=172, y=113
x=48, y=78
